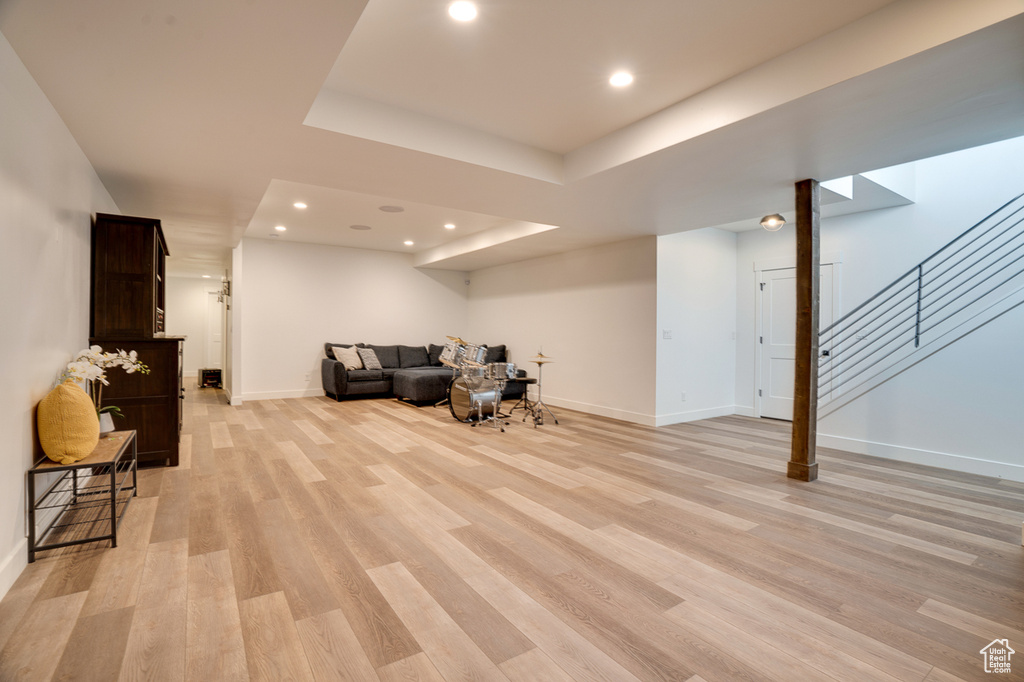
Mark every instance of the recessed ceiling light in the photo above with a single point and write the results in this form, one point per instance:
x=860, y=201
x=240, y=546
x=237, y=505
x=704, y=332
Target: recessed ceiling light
x=206, y=277
x=359, y=227
x=299, y=204
x=274, y=234
x=392, y=209
x=621, y=79
x=280, y=228
x=462, y=10
x=408, y=242
x=449, y=226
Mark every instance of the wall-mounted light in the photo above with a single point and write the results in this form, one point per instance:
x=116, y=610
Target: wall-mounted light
x=773, y=222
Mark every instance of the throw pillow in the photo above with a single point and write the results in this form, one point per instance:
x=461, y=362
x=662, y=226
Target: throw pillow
x=68, y=427
x=348, y=357
x=369, y=358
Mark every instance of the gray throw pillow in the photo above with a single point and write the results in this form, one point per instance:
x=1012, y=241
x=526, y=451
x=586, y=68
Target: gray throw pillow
x=369, y=358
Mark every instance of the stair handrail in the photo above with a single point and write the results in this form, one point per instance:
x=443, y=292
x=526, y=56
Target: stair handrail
x=920, y=297
x=915, y=269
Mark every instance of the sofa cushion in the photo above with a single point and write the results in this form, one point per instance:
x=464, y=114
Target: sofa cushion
x=434, y=353
x=413, y=356
x=365, y=375
x=369, y=358
x=495, y=354
x=348, y=356
x=388, y=355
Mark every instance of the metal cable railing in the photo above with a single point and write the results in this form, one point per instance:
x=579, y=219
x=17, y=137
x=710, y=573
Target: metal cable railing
x=879, y=332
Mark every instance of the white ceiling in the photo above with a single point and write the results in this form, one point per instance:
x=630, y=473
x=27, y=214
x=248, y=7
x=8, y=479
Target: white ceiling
x=216, y=117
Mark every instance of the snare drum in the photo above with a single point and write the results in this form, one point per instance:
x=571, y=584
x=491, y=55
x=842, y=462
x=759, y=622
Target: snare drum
x=501, y=371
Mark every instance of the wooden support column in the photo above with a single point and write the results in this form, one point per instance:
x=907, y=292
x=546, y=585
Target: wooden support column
x=802, y=464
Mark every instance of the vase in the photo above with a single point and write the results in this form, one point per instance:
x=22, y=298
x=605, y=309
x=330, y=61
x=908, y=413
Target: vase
x=106, y=423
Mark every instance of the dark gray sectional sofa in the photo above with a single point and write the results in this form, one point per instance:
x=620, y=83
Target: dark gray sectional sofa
x=408, y=372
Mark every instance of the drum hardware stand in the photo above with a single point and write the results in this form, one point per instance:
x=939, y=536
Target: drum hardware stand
x=538, y=406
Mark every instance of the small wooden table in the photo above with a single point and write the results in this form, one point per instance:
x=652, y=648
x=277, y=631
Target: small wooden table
x=87, y=500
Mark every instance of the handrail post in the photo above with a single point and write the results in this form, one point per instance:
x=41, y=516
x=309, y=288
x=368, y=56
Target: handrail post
x=917, y=319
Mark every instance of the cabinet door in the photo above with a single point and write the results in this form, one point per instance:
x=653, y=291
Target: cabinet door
x=127, y=270
x=151, y=403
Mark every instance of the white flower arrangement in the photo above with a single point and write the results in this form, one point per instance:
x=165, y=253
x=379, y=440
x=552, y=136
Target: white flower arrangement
x=90, y=366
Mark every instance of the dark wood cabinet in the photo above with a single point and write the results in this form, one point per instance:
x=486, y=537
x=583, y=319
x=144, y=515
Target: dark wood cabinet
x=128, y=293
x=151, y=403
x=128, y=262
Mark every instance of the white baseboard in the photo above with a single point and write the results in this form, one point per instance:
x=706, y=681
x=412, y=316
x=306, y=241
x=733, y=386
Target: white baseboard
x=943, y=460
x=602, y=411
x=233, y=400
x=275, y=395
x=13, y=564
x=694, y=415
x=743, y=410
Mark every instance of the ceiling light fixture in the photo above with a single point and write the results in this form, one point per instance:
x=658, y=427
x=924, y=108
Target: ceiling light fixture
x=392, y=209
x=206, y=277
x=773, y=222
x=359, y=227
x=280, y=228
x=299, y=204
x=621, y=79
x=408, y=242
x=462, y=11
x=449, y=226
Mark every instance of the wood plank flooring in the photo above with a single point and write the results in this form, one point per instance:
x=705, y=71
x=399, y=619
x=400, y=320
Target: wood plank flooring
x=375, y=541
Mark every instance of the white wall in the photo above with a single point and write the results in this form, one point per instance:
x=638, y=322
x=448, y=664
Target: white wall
x=295, y=297
x=959, y=409
x=697, y=308
x=48, y=190
x=187, y=300
x=593, y=310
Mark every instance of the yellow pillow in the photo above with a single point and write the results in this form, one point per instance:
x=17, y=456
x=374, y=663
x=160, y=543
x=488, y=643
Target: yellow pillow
x=68, y=427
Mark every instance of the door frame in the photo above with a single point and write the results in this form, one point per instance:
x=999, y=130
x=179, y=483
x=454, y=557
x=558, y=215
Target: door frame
x=833, y=258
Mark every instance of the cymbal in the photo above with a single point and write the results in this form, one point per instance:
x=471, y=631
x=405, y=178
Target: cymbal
x=456, y=339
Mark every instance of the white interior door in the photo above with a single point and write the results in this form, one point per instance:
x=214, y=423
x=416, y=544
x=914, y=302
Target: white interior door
x=778, y=336
x=214, y=331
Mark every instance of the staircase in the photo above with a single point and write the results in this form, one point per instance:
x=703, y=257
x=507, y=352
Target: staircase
x=966, y=284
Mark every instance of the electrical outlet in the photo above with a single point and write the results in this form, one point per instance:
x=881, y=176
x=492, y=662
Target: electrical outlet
x=666, y=333
x=309, y=376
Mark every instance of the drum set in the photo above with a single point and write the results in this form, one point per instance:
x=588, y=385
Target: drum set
x=474, y=396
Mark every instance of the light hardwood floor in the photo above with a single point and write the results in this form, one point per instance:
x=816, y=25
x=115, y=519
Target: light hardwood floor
x=371, y=540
